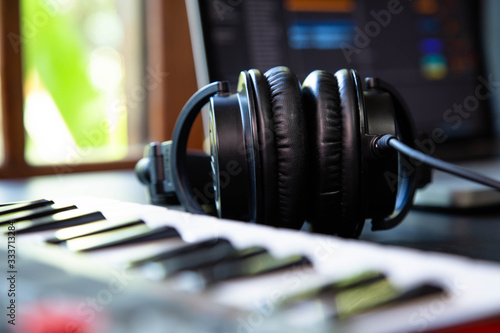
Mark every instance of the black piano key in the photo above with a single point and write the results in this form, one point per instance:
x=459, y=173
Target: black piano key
x=356, y=294
x=57, y=221
x=378, y=294
x=191, y=261
x=89, y=229
x=124, y=236
x=329, y=290
x=415, y=293
x=207, y=260
x=196, y=248
x=251, y=264
x=19, y=206
x=218, y=251
x=34, y=213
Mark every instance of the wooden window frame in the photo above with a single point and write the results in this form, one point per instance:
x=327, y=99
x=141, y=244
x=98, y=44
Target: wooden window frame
x=168, y=51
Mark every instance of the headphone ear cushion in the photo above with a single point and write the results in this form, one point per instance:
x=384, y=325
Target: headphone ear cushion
x=290, y=143
x=353, y=196
x=267, y=178
x=321, y=100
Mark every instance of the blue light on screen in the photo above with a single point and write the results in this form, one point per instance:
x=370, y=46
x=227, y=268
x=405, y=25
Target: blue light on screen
x=320, y=34
x=431, y=45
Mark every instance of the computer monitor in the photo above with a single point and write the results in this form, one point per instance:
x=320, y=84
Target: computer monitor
x=429, y=49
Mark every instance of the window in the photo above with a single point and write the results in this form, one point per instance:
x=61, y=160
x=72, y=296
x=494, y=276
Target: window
x=77, y=82
x=78, y=71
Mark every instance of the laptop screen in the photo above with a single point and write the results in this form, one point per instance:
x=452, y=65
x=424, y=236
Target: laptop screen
x=429, y=50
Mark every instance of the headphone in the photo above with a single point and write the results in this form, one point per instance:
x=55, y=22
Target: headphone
x=282, y=153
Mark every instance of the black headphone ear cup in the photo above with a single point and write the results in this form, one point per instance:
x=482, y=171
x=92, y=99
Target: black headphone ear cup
x=290, y=146
x=353, y=196
x=267, y=180
x=321, y=100
x=336, y=197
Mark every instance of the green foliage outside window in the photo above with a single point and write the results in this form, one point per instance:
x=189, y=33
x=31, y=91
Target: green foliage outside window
x=73, y=81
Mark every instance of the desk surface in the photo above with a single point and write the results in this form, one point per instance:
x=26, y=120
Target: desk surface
x=474, y=235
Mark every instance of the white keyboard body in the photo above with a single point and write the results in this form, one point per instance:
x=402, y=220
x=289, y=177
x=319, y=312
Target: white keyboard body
x=97, y=289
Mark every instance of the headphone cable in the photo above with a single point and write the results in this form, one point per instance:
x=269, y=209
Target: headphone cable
x=388, y=141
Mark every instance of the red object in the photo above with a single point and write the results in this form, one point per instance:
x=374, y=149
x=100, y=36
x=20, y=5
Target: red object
x=490, y=325
x=56, y=316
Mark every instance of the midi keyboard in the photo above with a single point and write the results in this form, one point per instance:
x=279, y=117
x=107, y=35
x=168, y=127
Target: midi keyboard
x=93, y=265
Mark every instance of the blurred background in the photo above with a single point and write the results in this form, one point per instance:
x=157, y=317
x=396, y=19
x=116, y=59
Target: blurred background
x=86, y=84
x=80, y=60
